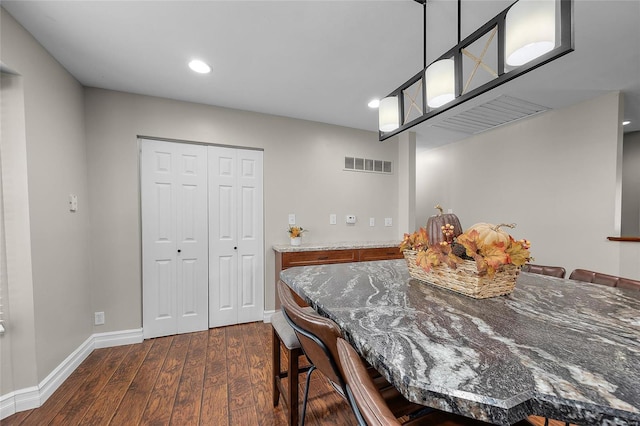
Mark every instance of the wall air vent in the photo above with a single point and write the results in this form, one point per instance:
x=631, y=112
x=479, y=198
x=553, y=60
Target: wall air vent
x=502, y=110
x=358, y=164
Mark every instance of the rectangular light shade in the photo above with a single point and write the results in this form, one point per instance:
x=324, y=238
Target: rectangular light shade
x=388, y=114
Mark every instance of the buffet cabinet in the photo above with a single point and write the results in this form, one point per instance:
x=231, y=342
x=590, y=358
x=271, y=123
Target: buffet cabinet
x=289, y=257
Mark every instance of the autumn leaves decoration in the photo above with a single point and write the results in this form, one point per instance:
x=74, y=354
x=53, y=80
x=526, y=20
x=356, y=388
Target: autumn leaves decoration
x=442, y=242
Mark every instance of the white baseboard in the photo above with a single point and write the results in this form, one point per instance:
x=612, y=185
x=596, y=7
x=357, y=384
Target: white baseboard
x=267, y=316
x=48, y=386
x=26, y=398
x=35, y=396
x=117, y=338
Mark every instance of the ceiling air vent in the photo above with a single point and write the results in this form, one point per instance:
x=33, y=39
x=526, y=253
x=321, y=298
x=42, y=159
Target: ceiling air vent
x=502, y=110
x=357, y=164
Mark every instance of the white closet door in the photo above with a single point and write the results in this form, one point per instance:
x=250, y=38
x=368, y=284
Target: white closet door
x=223, y=253
x=174, y=238
x=236, y=255
x=250, y=237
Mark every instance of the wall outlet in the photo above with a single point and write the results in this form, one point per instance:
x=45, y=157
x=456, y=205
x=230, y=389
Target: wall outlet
x=98, y=318
x=388, y=221
x=333, y=219
x=292, y=219
x=372, y=221
x=73, y=203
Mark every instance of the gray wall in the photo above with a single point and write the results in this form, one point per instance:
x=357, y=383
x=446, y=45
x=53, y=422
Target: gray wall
x=16, y=260
x=556, y=175
x=55, y=292
x=631, y=185
x=303, y=174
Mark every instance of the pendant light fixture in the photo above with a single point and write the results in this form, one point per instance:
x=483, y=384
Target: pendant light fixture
x=441, y=83
x=530, y=30
x=529, y=34
x=388, y=114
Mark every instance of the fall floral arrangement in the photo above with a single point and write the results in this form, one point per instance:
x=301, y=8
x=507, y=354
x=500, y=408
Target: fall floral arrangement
x=487, y=245
x=296, y=231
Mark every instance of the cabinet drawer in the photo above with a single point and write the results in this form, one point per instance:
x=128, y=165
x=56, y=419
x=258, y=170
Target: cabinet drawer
x=302, y=258
x=383, y=253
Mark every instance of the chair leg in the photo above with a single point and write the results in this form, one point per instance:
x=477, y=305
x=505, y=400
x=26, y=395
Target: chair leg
x=292, y=375
x=306, y=395
x=275, y=364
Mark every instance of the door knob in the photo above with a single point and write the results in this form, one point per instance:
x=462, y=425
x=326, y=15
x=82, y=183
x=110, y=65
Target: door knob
x=235, y=248
x=179, y=251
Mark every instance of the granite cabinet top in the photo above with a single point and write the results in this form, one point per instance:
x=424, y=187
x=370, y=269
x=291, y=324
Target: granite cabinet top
x=559, y=348
x=346, y=245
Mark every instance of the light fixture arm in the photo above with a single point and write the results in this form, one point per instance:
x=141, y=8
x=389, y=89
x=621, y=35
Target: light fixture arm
x=424, y=29
x=459, y=21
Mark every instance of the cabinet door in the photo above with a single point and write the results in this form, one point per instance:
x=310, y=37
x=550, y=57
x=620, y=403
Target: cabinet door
x=321, y=257
x=174, y=238
x=382, y=253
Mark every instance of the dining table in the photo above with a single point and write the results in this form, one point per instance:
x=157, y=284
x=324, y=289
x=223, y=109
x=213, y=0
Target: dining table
x=554, y=347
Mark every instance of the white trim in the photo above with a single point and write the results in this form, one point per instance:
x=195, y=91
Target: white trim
x=59, y=374
x=267, y=316
x=118, y=338
x=35, y=396
x=26, y=398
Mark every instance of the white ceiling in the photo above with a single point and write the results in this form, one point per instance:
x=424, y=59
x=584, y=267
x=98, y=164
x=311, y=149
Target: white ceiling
x=316, y=60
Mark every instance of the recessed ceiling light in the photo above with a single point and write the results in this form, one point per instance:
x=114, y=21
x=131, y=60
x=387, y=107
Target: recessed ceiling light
x=625, y=122
x=374, y=103
x=199, y=66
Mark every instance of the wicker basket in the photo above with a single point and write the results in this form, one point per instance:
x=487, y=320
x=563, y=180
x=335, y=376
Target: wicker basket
x=465, y=278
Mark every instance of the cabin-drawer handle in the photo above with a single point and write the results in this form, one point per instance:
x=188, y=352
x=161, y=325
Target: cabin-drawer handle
x=323, y=258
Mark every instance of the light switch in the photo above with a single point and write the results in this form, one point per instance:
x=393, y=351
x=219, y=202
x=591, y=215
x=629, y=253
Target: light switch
x=388, y=221
x=73, y=203
x=333, y=219
x=351, y=219
x=292, y=219
x=372, y=221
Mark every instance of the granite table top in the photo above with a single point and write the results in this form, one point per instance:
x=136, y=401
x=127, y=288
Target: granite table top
x=557, y=348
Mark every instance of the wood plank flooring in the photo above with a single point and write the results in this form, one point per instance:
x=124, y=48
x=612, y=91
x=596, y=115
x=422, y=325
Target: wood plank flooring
x=218, y=377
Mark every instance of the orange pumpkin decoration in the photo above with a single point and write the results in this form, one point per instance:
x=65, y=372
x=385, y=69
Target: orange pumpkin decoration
x=441, y=222
x=489, y=233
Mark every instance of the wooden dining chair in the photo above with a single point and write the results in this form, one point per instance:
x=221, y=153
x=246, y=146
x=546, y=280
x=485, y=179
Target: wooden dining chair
x=609, y=280
x=370, y=408
x=282, y=335
x=552, y=271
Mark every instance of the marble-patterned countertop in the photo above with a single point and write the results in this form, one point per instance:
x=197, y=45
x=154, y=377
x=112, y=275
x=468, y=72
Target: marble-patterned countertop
x=346, y=245
x=559, y=348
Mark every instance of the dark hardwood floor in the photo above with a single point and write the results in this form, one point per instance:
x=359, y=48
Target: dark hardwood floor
x=216, y=377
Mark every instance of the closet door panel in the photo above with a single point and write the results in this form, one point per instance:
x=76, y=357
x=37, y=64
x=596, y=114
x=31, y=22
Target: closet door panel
x=193, y=244
x=173, y=179
x=236, y=234
x=251, y=236
x=223, y=253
